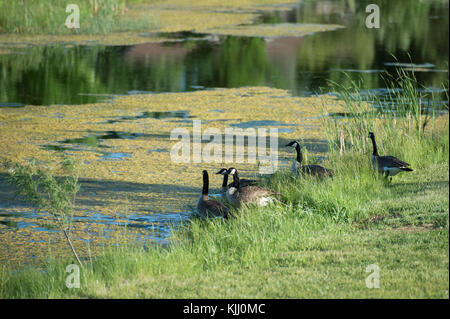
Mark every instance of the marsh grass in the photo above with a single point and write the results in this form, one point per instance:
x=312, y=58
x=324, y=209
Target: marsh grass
x=403, y=125
x=49, y=17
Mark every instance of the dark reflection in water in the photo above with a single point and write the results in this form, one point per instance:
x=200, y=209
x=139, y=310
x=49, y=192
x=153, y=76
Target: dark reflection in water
x=154, y=115
x=158, y=225
x=414, y=31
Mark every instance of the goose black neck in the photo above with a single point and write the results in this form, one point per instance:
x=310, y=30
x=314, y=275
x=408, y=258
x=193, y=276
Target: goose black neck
x=205, y=184
x=225, y=180
x=236, y=179
x=374, y=144
x=299, y=153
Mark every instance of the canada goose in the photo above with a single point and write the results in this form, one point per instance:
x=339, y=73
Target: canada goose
x=387, y=165
x=313, y=170
x=238, y=195
x=242, y=182
x=208, y=207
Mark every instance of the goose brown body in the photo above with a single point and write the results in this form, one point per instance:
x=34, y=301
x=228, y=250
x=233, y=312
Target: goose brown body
x=312, y=170
x=238, y=195
x=387, y=165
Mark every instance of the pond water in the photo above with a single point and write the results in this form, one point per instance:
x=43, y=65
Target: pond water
x=414, y=32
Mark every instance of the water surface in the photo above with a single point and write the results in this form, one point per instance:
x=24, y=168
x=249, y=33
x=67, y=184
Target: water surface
x=415, y=32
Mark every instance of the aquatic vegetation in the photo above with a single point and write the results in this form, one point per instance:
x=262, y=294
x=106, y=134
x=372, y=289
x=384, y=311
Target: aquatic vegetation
x=335, y=226
x=113, y=38
x=144, y=180
x=274, y=30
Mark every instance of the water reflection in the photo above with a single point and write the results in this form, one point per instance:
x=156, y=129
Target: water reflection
x=414, y=31
x=157, y=225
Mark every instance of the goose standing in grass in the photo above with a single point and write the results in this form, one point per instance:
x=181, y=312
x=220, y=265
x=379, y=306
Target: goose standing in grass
x=208, y=207
x=313, y=170
x=387, y=165
x=242, y=182
x=238, y=195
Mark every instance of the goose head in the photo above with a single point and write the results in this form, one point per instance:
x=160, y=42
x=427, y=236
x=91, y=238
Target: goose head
x=232, y=171
x=293, y=144
x=223, y=171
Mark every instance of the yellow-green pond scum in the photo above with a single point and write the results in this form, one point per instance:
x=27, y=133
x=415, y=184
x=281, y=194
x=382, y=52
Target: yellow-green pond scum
x=134, y=174
x=144, y=180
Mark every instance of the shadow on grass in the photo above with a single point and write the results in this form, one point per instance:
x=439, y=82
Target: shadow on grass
x=403, y=189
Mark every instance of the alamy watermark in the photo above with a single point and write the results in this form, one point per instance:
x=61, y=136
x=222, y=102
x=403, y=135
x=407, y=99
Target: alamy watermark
x=373, y=19
x=73, y=19
x=73, y=279
x=373, y=280
x=262, y=146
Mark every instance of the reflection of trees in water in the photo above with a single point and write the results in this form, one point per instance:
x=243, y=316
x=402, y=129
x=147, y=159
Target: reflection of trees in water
x=48, y=75
x=404, y=23
x=45, y=75
x=406, y=27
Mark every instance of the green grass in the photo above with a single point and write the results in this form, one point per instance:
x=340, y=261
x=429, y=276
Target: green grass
x=317, y=243
x=49, y=17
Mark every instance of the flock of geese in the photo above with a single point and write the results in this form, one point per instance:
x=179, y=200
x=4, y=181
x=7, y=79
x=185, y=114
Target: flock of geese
x=245, y=191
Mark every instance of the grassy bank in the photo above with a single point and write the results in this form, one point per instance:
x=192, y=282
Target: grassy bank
x=49, y=17
x=317, y=244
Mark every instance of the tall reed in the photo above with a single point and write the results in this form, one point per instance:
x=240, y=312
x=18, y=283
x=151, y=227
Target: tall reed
x=403, y=124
